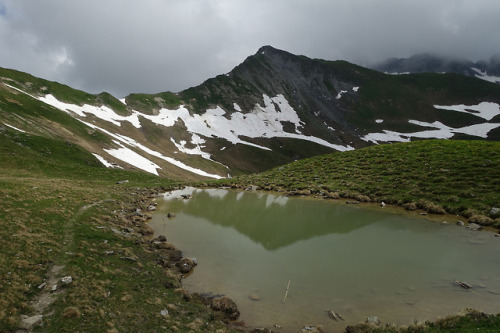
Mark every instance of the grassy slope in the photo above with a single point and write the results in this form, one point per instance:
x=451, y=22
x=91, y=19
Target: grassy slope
x=57, y=209
x=463, y=177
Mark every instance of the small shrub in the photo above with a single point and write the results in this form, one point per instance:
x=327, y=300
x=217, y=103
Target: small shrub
x=430, y=207
x=435, y=209
x=362, y=198
x=481, y=220
x=496, y=224
x=71, y=312
x=332, y=195
x=410, y=206
x=469, y=213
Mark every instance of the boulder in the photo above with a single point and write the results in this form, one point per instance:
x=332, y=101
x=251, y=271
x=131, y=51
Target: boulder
x=225, y=305
x=494, y=211
x=28, y=323
x=160, y=239
x=67, y=279
x=373, y=320
x=186, y=265
x=474, y=226
x=254, y=297
x=481, y=220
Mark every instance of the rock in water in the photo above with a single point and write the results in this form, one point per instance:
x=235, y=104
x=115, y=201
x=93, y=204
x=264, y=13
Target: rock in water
x=373, y=320
x=186, y=265
x=227, y=306
x=474, y=226
x=254, y=297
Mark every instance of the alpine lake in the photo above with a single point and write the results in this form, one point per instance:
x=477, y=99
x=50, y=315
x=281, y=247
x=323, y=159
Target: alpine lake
x=288, y=261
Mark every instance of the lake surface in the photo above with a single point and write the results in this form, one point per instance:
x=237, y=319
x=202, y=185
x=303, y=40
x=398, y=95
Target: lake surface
x=358, y=261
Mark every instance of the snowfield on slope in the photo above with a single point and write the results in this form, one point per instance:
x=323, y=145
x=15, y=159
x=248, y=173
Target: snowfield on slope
x=131, y=157
x=483, y=75
x=123, y=153
x=262, y=122
x=485, y=110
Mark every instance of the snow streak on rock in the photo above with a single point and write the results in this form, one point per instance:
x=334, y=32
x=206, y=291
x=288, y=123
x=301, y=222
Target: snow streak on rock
x=105, y=162
x=484, y=76
x=102, y=112
x=485, y=110
x=441, y=131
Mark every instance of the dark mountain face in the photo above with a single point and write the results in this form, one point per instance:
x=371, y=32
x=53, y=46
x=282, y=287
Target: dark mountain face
x=322, y=92
x=426, y=63
x=342, y=102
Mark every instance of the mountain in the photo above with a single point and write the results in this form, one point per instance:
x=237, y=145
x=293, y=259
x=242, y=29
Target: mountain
x=488, y=70
x=272, y=109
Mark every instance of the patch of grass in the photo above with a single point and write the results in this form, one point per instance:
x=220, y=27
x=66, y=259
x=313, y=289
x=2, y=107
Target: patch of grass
x=471, y=321
x=151, y=103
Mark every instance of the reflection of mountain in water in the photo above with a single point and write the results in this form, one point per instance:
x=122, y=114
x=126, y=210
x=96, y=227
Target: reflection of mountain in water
x=275, y=221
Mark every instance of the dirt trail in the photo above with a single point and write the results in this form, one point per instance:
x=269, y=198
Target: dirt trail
x=50, y=287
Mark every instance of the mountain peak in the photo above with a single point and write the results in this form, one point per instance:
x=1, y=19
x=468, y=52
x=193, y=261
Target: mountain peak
x=268, y=48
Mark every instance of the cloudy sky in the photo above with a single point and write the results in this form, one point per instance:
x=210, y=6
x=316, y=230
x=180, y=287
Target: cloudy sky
x=124, y=46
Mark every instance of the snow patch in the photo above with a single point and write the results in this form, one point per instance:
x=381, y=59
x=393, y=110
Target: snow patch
x=484, y=76
x=441, y=131
x=386, y=136
x=131, y=157
x=355, y=89
x=262, y=121
x=485, y=110
x=195, y=140
x=102, y=112
x=122, y=139
x=15, y=128
x=105, y=162
x=480, y=130
x=24, y=92
x=340, y=94
x=379, y=121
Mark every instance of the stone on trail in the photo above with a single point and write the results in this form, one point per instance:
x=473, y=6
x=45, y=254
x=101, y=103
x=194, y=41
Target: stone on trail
x=28, y=323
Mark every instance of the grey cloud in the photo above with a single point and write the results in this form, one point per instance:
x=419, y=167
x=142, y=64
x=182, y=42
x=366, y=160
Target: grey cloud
x=124, y=46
